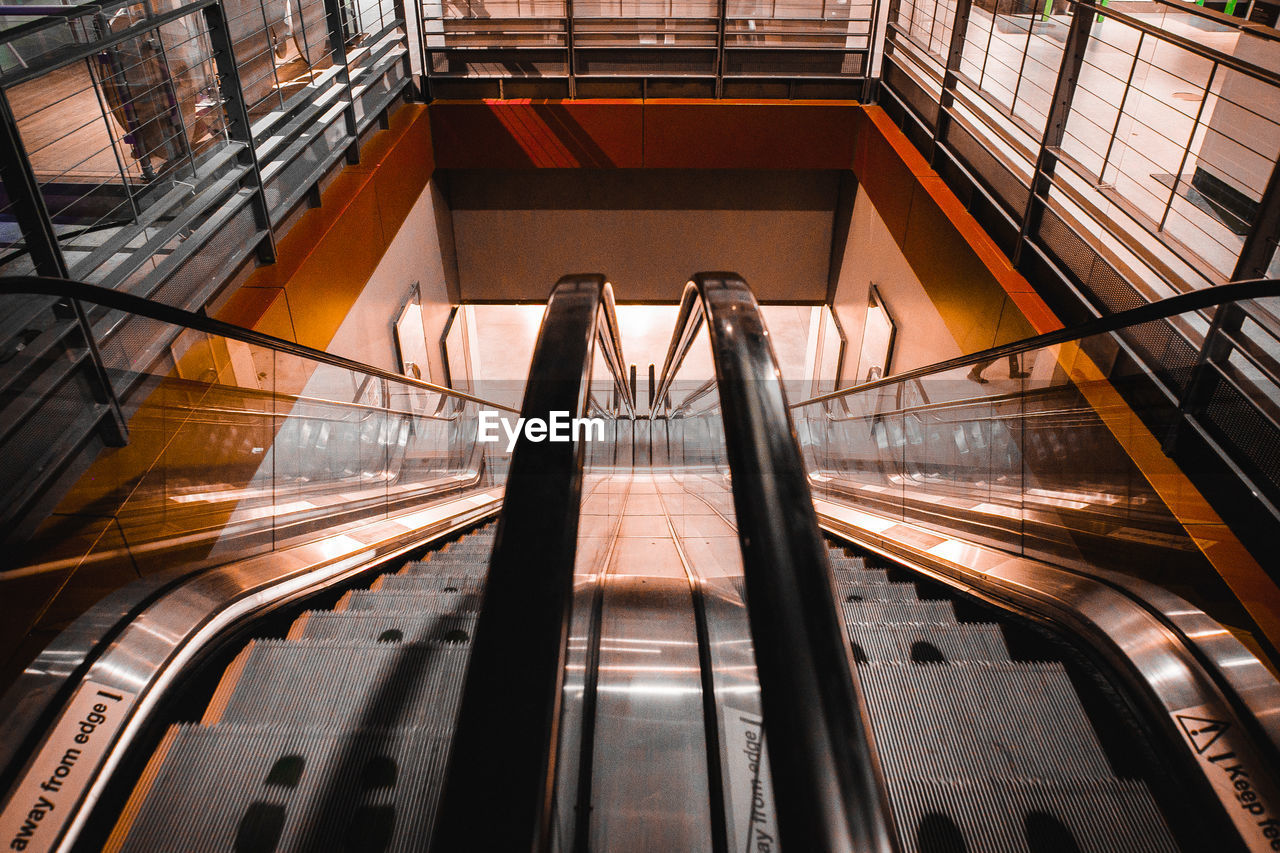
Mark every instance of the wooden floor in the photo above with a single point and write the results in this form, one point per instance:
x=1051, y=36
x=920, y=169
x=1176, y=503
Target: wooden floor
x=68, y=134
x=64, y=130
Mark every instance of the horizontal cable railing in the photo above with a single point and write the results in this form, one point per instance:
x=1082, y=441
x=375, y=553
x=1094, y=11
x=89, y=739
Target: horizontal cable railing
x=158, y=152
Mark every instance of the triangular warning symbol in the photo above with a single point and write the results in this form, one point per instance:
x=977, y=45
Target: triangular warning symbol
x=1201, y=731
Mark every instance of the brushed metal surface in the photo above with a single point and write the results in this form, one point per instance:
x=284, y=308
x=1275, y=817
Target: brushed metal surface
x=649, y=768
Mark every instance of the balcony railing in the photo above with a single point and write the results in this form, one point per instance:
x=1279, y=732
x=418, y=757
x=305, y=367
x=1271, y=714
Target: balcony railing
x=651, y=48
x=156, y=148
x=1121, y=153
x=1145, y=136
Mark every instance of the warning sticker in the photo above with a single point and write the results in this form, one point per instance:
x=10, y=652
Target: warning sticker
x=1201, y=731
x=45, y=800
x=1233, y=770
x=753, y=823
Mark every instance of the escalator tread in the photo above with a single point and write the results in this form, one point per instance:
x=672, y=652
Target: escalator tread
x=1003, y=815
x=335, y=737
x=363, y=600
x=291, y=682
x=981, y=752
x=896, y=643
x=225, y=783
x=427, y=583
x=355, y=625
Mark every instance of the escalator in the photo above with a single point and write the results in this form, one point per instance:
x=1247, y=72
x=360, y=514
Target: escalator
x=672, y=654
x=334, y=736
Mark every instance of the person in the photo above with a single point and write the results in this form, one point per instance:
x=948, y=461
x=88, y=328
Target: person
x=1015, y=370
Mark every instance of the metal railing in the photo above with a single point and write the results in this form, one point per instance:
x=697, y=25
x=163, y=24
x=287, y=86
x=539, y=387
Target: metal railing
x=1044, y=464
x=156, y=149
x=1118, y=155
x=180, y=348
x=1132, y=149
x=237, y=444
x=601, y=48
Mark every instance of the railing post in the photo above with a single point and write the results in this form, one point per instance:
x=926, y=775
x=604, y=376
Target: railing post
x=959, y=26
x=1227, y=320
x=411, y=26
x=722, y=15
x=1056, y=123
x=238, y=127
x=1260, y=246
x=115, y=427
x=338, y=44
x=24, y=192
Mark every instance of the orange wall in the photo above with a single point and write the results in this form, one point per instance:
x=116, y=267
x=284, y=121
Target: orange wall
x=632, y=134
x=326, y=259
x=940, y=239
x=964, y=273
x=330, y=254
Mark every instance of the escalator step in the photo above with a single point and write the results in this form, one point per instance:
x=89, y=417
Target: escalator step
x=334, y=738
x=872, y=611
x=428, y=584
x=407, y=628
x=474, y=567
x=479, y=558
x=861, y=575
x=479, y=537
x=978, y=720
x=478, y=550
x=907, y=643
x=408, y=602
x=1101, y=816
x=332, y=685
x=840, y=561
x=854, y=591
x=865, y=587
x=252, y=790
x=472, y=542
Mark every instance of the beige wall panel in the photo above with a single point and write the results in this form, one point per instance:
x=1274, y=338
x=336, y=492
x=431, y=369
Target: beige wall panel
x=647, y=254
x=416, y=254
x=517, y=232
x=871, y=256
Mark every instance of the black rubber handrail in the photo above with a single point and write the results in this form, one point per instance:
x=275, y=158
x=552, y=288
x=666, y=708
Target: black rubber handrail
x=1162, y=310
x=500, y=779
x=829, y=792
x=118, y=300
x=610, y=341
